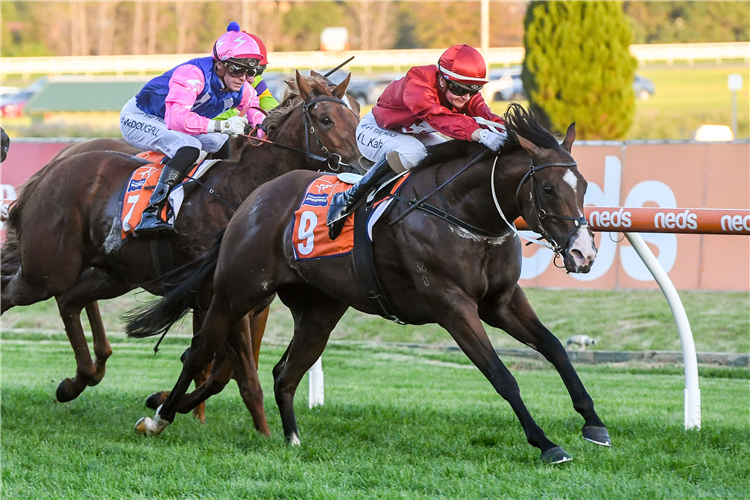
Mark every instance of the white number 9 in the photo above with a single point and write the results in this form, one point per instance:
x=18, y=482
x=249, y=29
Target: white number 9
x=307, y=232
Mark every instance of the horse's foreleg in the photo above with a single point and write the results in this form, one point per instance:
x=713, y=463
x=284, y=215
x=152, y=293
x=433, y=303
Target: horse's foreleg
x=94, y=284
x=463, y=323
x=102, y=349
x=513, y=313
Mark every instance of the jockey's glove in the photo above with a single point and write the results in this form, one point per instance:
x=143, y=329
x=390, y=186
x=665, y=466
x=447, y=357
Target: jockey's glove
x=493, y=140
x=234, y=125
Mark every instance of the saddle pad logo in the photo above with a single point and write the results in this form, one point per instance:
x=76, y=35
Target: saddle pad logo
x=310, y=231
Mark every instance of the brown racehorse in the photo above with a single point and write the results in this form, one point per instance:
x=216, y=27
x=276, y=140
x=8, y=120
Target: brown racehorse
x=453, y=272
x=258, y=321
x=64, y=230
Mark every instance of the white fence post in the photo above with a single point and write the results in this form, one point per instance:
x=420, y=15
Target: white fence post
x=316, y=395
x=690, y=359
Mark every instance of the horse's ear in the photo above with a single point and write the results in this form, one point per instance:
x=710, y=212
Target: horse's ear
x=302, y=86
x=529, y=146
x=315, y=74
x=340, y=89
x=570, y=136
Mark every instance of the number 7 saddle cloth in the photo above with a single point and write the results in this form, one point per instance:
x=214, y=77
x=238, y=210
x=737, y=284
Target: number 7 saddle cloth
x=141, y=184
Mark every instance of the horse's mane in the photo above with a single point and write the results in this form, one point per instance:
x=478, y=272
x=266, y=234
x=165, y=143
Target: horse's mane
x=292, y=99
x=518, y=121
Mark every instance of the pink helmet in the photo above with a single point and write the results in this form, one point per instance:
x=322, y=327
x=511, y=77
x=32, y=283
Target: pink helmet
x=464, y=65
x=238, y=46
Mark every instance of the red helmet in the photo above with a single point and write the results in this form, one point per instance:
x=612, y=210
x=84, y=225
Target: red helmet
x=262, y=48
x=464, y=65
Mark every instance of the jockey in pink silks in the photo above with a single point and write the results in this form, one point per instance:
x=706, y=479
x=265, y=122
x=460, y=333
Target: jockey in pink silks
x=173, y=113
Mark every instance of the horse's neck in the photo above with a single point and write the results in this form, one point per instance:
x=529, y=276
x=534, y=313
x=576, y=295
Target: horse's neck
x=470, y=197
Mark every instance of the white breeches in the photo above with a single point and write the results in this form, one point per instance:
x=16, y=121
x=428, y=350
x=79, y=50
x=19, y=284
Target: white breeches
x=151, y=133
x=375, y=142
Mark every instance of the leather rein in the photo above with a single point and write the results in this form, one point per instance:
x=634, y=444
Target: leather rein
x=539, y=213
x=333, y=160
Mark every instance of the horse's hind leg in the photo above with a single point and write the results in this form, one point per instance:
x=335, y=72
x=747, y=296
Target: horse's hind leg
x=513, y=313
x=257, y=330
x=239, y=346
x=314, y=319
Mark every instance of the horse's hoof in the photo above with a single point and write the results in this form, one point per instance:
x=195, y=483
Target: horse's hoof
x=65, y=391
x=149, y=427
x=156, y=399
x=293, y=440
x=556, y=455
x=597, y=435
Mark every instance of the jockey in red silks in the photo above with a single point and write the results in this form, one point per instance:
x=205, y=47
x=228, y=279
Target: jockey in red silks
x=173, y=113
x=410, y=113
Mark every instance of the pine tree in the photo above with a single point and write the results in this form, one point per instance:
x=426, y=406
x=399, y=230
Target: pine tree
x=578, y=67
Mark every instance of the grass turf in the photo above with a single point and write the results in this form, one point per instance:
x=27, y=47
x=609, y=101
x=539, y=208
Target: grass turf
x=618, y=320
x=396, y=424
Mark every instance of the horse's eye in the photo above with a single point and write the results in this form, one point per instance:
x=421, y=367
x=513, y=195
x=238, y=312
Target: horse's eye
x=548, y=190
x=325, y=120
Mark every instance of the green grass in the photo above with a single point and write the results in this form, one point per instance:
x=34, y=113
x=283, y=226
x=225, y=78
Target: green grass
x=686, y=97
x=689, y=96
x=618, y=320
x=396, y=424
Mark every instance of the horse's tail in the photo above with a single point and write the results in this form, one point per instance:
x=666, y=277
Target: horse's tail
x=157, y=317
x=10, y=253
x=16, y=208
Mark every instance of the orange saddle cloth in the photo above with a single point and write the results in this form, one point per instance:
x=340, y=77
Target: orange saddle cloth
x=310, y=230
x=138, y=192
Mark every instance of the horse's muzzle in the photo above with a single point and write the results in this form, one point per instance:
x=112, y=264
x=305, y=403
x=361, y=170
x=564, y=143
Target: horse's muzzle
x=580, y=253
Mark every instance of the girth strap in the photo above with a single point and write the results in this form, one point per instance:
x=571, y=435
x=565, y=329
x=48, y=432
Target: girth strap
x=364, y=267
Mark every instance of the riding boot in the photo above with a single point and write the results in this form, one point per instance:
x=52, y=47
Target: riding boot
x=171, y=175
x=344, y=203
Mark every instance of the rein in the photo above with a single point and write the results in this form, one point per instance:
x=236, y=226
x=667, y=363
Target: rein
x=537, y=210
x=333, y=160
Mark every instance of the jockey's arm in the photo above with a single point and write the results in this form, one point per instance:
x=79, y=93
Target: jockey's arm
x=186, y=83
x=423, y=101
x=248, y=104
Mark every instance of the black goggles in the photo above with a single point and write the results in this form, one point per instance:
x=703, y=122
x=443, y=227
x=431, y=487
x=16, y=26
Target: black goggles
x=459, y=89
x=237, y=70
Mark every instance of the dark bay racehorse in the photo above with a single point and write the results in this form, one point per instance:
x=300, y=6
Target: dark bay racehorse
x=64, y=230
x=432, y=271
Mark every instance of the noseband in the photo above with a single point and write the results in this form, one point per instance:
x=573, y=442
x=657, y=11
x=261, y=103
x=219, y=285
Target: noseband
x=540, y=214
x=332, y=159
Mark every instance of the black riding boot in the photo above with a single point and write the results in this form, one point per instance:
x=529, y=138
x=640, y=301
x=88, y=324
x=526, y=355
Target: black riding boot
x=344, y=203
x=174, y=171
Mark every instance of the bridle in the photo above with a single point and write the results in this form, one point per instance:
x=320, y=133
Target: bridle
x=333, y=160
x=536, y=209
x=307, y=119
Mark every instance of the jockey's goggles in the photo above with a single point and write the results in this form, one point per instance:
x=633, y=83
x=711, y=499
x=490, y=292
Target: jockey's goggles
x=460, y=89
x=261, y=69
x=238, y=67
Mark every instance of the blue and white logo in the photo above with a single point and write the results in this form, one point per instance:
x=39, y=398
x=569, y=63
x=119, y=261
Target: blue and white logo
x=316, y=200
